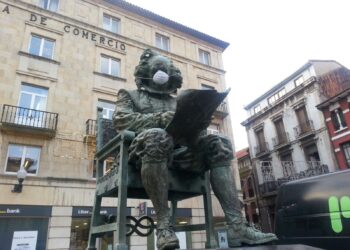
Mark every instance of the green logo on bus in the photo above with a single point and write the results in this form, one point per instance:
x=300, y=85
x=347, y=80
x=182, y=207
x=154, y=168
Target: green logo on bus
x=336, y=209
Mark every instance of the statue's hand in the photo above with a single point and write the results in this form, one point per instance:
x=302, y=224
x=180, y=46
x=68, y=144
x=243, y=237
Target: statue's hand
x=166, y=117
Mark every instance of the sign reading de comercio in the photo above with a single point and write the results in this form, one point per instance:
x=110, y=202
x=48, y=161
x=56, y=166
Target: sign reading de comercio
x=76, y=31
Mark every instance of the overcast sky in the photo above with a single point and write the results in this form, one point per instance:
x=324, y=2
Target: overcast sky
x=269, y=40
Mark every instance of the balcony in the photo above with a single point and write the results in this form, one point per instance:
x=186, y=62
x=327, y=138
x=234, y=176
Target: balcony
x=304, y=129
x=281, y=140
x=15, y=118
x=222, y=110
x=290, y=172
x=261, y=149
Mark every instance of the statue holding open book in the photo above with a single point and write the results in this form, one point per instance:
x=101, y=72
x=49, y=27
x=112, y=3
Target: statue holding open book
x=169, y=131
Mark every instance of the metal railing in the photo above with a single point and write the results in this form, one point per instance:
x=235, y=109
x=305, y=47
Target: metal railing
x=262, y=148
x=19, y=116
x=281, y=139
x=304, y=128
x=90, y=127
x=290, y=170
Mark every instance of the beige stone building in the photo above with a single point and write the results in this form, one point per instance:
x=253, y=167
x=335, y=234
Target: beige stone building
x=60, y=59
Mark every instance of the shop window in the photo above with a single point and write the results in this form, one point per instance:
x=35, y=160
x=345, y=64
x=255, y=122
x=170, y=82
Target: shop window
x=338, y=120
x=51, y=5
x=21, y=156
x=110, y=66
x=10, y=225
x=204, y=57
x=111, y=24
x=162, y=42
x=108, y=108
x=41, y=46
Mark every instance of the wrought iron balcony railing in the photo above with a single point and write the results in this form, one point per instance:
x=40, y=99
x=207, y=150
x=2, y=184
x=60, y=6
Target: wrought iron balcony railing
x=304, y=128
x=90, y=127
x=290, y=172
x=28, y=118
x=261, y=149
x=281, y=139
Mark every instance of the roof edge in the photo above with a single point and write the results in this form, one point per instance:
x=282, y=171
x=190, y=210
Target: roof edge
x=167, y=22
x=279, y=85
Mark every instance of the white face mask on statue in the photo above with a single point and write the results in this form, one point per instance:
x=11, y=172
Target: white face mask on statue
x=160, y=77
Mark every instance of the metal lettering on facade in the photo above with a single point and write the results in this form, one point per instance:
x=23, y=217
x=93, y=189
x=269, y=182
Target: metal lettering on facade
x=79, y=32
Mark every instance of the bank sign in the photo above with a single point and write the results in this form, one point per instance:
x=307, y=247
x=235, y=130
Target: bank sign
x=71, y=29
x=24, y=211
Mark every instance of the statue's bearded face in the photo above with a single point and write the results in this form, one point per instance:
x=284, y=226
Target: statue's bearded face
x=157, y=74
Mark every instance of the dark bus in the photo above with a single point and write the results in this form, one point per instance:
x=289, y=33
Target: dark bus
x=315, y=211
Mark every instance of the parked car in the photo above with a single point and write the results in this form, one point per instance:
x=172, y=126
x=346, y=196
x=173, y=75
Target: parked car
x=315, y=211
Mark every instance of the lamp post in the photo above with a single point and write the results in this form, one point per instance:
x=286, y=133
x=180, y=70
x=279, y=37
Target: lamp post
x=21, y=175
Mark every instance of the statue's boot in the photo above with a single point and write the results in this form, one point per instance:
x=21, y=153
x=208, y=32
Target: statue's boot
x=166, y=237
x=239, y=232
x=155, y=180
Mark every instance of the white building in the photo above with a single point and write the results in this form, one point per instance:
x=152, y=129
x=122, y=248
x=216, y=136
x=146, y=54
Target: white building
x=287, y=135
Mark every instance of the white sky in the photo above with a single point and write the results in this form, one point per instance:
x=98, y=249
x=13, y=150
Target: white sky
x=269, y=40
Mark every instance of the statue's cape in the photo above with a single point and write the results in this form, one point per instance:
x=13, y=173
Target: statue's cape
x=194, y=111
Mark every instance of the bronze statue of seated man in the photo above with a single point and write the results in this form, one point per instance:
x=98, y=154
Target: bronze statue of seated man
x=147, y=111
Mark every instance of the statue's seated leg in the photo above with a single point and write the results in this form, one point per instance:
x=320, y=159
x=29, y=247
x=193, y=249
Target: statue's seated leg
x=218, y=156
x=154, y=147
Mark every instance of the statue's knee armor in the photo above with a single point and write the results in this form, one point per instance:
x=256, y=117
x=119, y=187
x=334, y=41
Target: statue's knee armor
x=217, y=151
x=152, y=145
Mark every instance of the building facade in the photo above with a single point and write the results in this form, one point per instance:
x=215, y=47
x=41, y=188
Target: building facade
x=248, y=185
x=60, y=60
x=287, y=135
x=336, y=113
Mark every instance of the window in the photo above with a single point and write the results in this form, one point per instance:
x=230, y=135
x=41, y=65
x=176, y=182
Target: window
x=41, y=46
x=204, y=57
x=33, y=97
x=346, y=151
x=281, y=133
x=213, y=129
x=303, y=120
x=276, y=96
x=20, y=156
x=108, y=108
x=262, y=145
x=162, y=42
x=257, y=108
x=111, y=24
x=32, y=101
x=206, y=87
x=49, y=5
x=338, y=120
x=108, y=164
x=299, y=80
x=110, y=66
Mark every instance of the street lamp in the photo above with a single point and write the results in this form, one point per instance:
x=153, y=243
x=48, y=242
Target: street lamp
x=21, y=175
